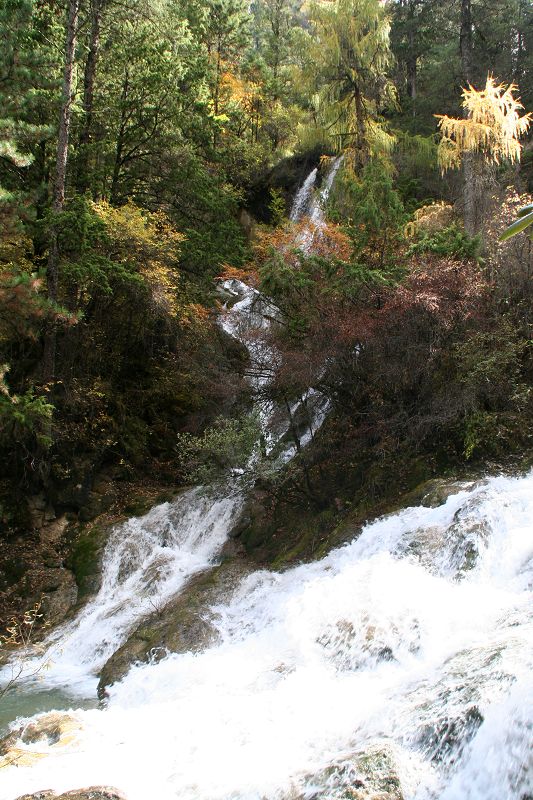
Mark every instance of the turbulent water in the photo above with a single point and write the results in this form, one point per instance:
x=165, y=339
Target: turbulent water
x=416, y=639
x=409, y=649
x=147, y=561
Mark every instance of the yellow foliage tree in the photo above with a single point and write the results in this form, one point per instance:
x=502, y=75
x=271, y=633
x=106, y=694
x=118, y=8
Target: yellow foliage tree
x=488, y=133
x=149, y=240
x=491, y=127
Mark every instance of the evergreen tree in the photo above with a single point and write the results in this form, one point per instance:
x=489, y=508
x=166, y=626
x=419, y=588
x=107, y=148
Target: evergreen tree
x=350, y=56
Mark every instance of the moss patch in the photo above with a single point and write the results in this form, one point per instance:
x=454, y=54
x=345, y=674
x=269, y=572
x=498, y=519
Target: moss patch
x=84, y=559
x=287, y=525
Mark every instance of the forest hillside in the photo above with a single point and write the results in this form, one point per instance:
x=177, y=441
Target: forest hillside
x=150, y=151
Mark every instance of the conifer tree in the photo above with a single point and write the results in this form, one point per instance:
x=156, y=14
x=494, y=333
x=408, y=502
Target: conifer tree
x=488, y=133
x=350, y=54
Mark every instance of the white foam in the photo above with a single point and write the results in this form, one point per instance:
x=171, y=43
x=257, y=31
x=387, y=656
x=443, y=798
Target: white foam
x=394, y=638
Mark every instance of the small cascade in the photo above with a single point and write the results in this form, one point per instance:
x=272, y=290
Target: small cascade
x=250, y=316
x=400, y=665
x=147, y=560
x=304, y=197
x=312, y=210
x=250, y=320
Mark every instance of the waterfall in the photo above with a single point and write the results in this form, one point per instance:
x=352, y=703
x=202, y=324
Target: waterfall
x=303, y=198
x=250, y=317
x=309, y=203
x=309, y=206
x=316, y=210
x=147, y=560
x=409, y=649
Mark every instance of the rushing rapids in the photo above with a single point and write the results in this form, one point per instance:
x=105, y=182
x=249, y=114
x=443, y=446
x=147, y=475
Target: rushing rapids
x=398, y=666
x=415, y=640
x=146, y=562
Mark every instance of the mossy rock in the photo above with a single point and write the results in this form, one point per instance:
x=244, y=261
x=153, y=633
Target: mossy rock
x=141, y=505
x=365, y=775
x=91, y=793
x=54, y=729
x=446, y=739
x=435, y=492
x=185, y=624
x=85, y=557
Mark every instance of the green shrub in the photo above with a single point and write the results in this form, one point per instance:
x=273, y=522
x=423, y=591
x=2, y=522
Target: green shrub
x=451, y=241
x=24, y=419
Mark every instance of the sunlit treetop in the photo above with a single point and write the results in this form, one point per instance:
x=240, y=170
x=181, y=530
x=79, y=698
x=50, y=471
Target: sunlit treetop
x=492, y=126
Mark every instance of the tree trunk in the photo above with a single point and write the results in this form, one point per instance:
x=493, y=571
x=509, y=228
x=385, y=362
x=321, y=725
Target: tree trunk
x=412, y=61
x=465, y=41
x=82, y=181
x=120, y=138
x=52, y=272
x=361, y=143
x=470, y=194
x=216, y=95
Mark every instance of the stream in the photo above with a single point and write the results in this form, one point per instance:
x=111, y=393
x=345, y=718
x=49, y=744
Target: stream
x=409, y=649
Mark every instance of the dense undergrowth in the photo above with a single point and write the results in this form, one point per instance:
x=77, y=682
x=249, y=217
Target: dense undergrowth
x=422, y=338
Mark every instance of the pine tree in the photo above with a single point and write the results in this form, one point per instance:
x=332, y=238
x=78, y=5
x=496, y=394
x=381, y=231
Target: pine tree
x=350, y=55
x=52, y=272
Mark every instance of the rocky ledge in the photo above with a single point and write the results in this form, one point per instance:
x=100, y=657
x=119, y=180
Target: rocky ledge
x=186, y=624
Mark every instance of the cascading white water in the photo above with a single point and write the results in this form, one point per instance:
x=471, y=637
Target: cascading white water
x=416, y=639
x=249, y=320
x=303, y=198
x=147, y=560
x=314, y=207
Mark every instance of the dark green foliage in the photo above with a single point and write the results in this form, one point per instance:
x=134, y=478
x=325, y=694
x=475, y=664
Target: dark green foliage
x=24, y=418
x=206, y=211
x=450, y=241
x=276, y=207
x=371, y=209
x=226, y=446
x=490, y=369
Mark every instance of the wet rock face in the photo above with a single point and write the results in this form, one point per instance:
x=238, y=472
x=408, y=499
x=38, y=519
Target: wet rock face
x=52, y=728
x=55, y=729
x=92, y=793
x=186, y=624
x=447, y=739
x=366, y=775
x=60, y=597
x=435, y=492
